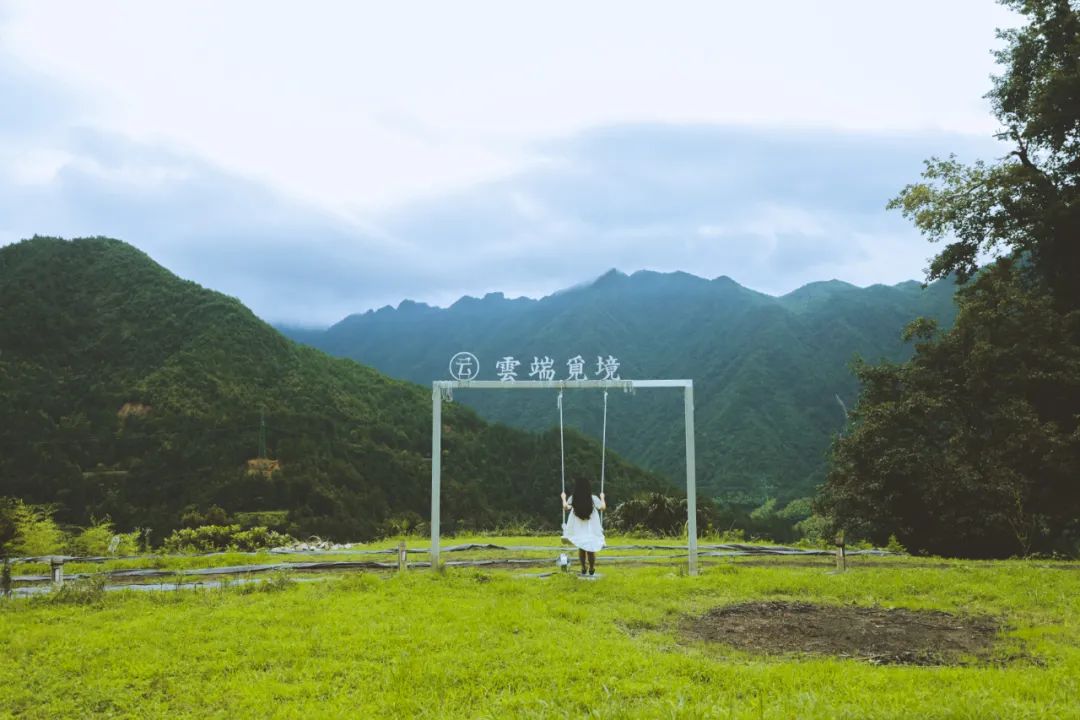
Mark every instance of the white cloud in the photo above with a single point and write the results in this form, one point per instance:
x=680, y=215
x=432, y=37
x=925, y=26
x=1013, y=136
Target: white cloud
x=325, y=160
x=769, y=220
x=33, y=165
x=362, y=106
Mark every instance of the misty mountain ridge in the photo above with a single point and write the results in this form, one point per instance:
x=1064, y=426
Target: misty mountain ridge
x=817, y=290
x=767, y=369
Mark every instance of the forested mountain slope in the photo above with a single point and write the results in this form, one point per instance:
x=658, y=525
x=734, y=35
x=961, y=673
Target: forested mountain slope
x=767, y=370
x=126, y=391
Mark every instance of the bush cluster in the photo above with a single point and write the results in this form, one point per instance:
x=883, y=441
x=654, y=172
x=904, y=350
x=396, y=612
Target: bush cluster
x=665, y=516
x=211, y=538
x=30, y=531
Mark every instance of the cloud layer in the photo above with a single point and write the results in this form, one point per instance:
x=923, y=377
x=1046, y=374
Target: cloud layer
x=363, y=105
x=774, y=210
x=561, y=201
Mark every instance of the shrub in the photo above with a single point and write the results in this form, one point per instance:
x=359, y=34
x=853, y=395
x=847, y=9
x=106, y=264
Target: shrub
x=29, y=529
x=764, y=512
x=814, y=530
x=101, y=538
x=797, y=510
x=769, y=522
x=93, y=540
x=214, y=515
x=894, y=546
x=407, y=523
x=272, y=519
x=259, y=538
x=206, y=538
x=652, y=513
x=659, y=514
x=212, y=538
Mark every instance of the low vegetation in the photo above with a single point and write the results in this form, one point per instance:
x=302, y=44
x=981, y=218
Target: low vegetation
x=31, y=530
x=468, y=643
x=34, y=532
x=210, y=538
x=665, y=516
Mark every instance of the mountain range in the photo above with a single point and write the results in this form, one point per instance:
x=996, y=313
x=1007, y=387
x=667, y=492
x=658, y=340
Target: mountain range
x=771, y=374
x=129, y=393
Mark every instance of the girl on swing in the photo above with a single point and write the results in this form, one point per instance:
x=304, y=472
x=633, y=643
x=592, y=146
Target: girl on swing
x=583, y=527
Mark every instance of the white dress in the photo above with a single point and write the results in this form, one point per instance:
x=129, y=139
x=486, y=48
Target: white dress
x=587, y=535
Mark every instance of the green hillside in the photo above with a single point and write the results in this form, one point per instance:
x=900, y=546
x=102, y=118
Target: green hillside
x=767, y=371
x=127, y=392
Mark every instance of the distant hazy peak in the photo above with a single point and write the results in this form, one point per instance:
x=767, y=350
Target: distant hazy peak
x=611, y=277
x=644, y=281
x=820, y=287
x=407, y=305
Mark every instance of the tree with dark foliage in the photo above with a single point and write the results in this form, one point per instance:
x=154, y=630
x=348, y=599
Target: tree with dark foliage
x=972, y=447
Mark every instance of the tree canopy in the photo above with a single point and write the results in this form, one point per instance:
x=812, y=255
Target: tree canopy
x=973, y=446
x=128, y=393
x=1028, y=202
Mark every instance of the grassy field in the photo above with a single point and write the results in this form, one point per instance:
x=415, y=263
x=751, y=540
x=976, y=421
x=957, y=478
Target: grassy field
x=417, y=547
x=499, y=643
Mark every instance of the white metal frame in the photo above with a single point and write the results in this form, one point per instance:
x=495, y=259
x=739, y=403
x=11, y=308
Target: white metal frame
x=445, y=388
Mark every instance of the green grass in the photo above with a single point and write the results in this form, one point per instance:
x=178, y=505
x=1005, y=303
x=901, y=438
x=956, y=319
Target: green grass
x=493, y=644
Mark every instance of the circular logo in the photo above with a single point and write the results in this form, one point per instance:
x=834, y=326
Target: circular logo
x=464, y=366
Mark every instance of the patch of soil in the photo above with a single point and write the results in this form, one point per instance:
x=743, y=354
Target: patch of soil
x=878, y=635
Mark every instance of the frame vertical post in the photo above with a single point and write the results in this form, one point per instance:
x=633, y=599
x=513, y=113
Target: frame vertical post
x=691, y=480
x=436, y=471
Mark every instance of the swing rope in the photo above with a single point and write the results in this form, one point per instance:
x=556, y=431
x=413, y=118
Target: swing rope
x=603, y=452
x=562, y=451
x=562, y=455
x=603, y=446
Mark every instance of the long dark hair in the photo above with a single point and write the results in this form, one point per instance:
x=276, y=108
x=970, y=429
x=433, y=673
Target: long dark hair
x=583, y=506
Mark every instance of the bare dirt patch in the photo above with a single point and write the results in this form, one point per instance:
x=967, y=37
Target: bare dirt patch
x=878, y=635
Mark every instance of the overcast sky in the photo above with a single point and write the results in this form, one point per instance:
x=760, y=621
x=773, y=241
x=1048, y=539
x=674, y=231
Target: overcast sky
x=317, y=159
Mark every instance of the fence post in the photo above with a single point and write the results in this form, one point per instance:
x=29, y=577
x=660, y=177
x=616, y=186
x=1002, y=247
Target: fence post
x=402, y=558
x=841, y=553
x=56, y=567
